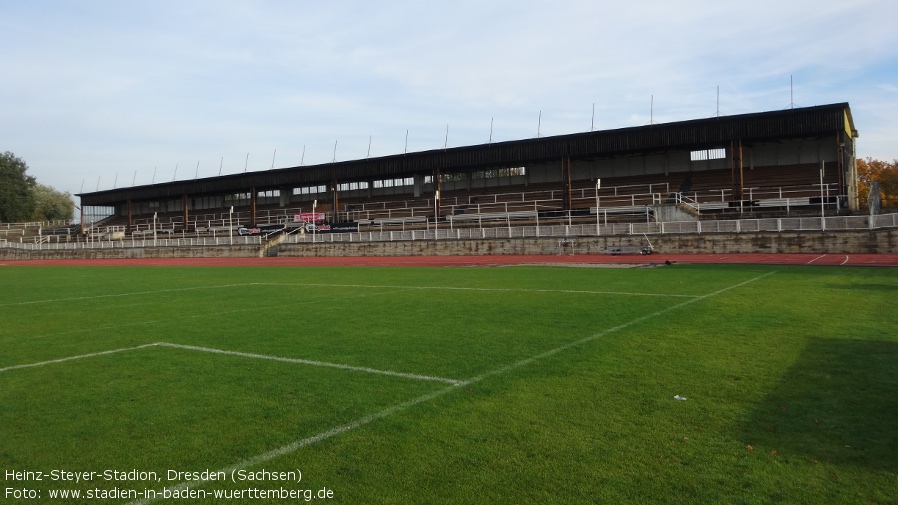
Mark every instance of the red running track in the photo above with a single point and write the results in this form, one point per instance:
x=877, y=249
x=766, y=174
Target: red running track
x=498, y=260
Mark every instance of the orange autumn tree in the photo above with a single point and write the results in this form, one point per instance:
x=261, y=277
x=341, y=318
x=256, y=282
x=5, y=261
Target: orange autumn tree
x=870, y=170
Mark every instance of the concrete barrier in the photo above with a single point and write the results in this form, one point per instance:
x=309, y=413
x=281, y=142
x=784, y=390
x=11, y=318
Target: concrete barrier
x=825, y=242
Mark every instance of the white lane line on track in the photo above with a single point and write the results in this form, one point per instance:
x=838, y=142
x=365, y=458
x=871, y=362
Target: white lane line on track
x=454, y=382
x=298, y=444
x=815, y=259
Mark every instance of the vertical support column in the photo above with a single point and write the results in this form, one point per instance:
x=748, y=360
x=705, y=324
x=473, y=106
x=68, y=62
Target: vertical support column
x=436, y=194
x=82, y=217
x=130, y=219
x=335, y=190
x=736, y=169
x=840, y=166
x=849, y=152
x=252, y=205
x=566, y=182
x=185, y=201
x=741, y=170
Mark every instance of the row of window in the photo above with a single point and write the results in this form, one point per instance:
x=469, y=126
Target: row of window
x=708, y=154
x=410, y=181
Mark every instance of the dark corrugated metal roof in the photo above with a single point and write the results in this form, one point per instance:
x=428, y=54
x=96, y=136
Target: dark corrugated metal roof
x=694, y=134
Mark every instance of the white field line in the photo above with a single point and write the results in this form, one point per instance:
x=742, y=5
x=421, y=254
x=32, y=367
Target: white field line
x=116, y=295
x=80, y=356
x=846, y=260
x=362, y=421
x=503, y=290
x=619, y=327
x=454, y=382
x=299, y=444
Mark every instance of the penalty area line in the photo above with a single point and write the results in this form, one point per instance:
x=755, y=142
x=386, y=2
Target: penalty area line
x=80, y=356
x=454, y=382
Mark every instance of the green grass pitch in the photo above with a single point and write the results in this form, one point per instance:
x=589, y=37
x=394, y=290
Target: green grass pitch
x=515, y=385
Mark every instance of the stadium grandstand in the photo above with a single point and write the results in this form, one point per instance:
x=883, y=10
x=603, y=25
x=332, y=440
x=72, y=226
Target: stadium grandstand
x=780, y=164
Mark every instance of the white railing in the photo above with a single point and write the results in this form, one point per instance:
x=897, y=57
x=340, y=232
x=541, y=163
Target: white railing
x=834, y=223
x=778, y=197
x=36, y=224
x=141, y=243
x=787, y=224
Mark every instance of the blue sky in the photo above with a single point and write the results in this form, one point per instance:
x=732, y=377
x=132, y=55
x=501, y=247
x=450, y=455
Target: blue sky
x=108, y=93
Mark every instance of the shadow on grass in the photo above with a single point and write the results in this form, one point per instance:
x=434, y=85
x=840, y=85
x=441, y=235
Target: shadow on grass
x=836, y=404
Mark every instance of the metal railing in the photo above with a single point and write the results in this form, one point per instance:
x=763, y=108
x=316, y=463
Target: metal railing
x=786, y=224
x=139, y=243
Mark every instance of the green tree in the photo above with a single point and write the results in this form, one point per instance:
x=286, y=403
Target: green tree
x=52, y=205
x=16, y=189
x=870, y=170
